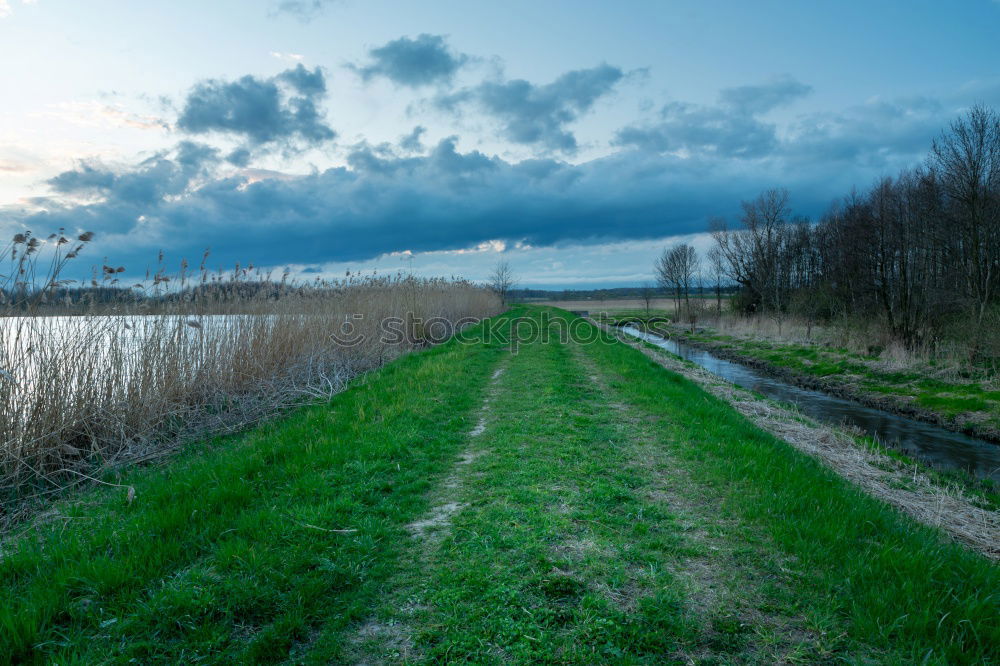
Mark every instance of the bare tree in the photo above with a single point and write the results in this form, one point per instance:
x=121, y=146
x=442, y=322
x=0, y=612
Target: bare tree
x=966, y=159
x=668, y=276
x=502, y=280
x=647, y=293
x=758, y=255
x=690, y=266
x=717, y=272
x=918, y=253
x=676, y=270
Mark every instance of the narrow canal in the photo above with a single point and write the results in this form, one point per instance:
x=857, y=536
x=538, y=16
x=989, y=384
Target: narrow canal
x=938, y=446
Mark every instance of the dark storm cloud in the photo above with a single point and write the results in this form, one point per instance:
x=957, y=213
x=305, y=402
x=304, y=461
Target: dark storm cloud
x=670, y=177
x=306, y=82
x=305, y=10
x=883, y=134
x=732, y=128
x=125, y=193
x=280, y=111
x=757, y=99
x=146, y=185
x=196, y=157
x=384, y=202
x=88, y=178
x=239, y=157
x=538, y=114
x=702, y=130
x=416, y=62
x=411, y=142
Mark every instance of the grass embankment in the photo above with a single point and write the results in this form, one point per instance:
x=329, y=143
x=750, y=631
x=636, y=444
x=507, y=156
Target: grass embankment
x=965, y=400
x=603, y=509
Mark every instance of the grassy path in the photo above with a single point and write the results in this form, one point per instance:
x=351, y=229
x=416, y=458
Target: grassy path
x=570, y=503
x=571, y=544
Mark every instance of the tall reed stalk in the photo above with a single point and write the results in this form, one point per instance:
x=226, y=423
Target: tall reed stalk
x=106, y=374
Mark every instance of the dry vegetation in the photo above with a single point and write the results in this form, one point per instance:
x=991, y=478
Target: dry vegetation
x=114, y=374
x=864, y=338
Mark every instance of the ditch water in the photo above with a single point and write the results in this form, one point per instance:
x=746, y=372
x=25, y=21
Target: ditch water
x=938, y=446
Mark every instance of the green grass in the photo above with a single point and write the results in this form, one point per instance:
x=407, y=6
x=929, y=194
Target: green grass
x=610, y=511
x=847, y=540
x=215, y=557
x=985, y=491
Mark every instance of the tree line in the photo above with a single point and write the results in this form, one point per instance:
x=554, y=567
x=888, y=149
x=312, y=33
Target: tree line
x=918, y=252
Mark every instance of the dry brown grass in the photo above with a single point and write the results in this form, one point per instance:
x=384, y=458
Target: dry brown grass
x=950, y=357
x=130, y=379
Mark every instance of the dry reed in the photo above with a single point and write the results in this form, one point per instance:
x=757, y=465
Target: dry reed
x=106, y=375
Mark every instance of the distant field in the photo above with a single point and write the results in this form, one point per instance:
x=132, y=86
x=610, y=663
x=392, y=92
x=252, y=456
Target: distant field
x=596, y=305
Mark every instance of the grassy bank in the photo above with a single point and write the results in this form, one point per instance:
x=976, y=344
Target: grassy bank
x=966, y=399
x=570, y=502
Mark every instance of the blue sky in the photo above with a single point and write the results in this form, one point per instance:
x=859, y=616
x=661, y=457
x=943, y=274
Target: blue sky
x=575, y=139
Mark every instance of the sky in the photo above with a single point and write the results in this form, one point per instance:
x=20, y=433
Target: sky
x=574, y=139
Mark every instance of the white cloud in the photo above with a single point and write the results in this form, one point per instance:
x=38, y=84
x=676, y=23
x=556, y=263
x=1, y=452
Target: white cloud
x=288, y=57
x=97, y=114
x=5, y=8
x=14, y=167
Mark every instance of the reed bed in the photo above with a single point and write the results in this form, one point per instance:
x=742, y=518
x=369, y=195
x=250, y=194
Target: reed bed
x=110, y=374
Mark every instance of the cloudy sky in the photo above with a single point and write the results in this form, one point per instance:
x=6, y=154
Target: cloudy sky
x=574, y=138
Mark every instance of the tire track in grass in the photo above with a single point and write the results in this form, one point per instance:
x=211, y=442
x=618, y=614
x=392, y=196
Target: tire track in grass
x=439, y=517
x=596, y=530
x=378, y=640
x=873, y=583
x=455, y=600
x=726, y=568
x=561, y=552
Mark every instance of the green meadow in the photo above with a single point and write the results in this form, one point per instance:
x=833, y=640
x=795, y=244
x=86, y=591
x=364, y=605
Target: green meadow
x=487, y=502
